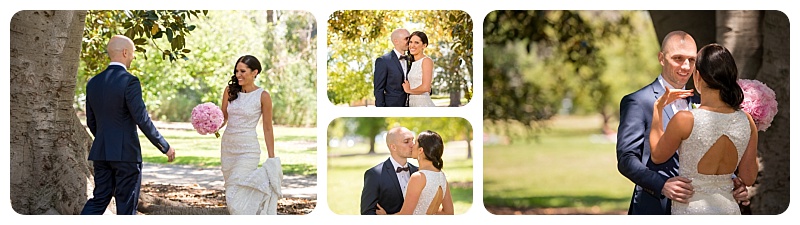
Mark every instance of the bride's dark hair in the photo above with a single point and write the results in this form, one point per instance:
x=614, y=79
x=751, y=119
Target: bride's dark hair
x=422, y=36
x=433, y=147
x=718, y=70
x=233, y=85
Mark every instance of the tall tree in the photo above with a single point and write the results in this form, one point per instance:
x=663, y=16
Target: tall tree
x=367, y=127
x=536, y=60
x=49, y=146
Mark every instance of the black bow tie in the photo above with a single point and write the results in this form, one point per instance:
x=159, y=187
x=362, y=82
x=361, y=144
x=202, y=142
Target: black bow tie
x=402, y=57
x=401, y=169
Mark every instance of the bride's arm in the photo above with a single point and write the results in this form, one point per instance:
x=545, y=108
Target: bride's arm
x=664, y=144
x=413, y=191
x=748, y=167
x=224, y=109
x=447, y=203
x=427, y=78
x=266, y=113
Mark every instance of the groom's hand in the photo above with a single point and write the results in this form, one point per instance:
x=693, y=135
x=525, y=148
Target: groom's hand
x=170, y=154
x=740, y=192
x=678, y=189
x=380, y=210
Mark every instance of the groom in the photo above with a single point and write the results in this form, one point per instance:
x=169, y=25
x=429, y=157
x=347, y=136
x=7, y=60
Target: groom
x=656, y=184
x=385, y=184
x=390, y=73
x=114, y=108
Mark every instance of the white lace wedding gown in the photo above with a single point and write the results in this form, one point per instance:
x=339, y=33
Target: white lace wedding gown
x=249, y=189
x=712, y=193
x=433, y=181
x=415, y=80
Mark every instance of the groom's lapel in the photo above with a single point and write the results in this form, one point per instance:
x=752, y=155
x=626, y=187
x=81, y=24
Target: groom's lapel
x=390, y=174
x=397, y=64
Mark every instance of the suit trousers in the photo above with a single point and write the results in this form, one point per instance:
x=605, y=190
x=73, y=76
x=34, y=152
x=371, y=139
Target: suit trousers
x=120, y=180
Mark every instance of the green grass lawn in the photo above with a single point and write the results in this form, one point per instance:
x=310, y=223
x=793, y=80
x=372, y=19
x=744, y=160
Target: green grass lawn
x=346, y=167
x=295, y=146
x=566, y=167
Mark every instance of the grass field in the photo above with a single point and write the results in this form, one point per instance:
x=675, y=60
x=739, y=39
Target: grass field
x=570, y=166
x=295, y=146
x=346, y=167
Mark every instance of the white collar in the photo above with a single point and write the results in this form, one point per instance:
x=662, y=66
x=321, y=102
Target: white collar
x=118, y=64
x=666, y=84
x=397, y=53
x=395, y=164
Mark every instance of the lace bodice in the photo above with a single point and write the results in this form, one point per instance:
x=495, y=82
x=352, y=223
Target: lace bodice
x=433, y=180
x=244, y=113
x=708, y=127
x=712, y=192
x=414, y=81
x=415, y=73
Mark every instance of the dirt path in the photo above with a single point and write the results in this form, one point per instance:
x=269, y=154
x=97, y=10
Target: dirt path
x=211, y=178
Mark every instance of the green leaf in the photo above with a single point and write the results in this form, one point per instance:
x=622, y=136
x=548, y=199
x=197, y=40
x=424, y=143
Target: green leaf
x=169, y=34
x=191, y=27
x=158, y=35
x=140, y=41
x=186, y=50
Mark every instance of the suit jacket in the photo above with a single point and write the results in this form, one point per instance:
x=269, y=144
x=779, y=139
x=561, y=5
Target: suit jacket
x=388, y=81
x=633, y=150
x=381, y=187
x=114, y=108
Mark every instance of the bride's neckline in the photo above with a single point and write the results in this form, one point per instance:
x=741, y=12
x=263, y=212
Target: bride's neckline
x=248, y=92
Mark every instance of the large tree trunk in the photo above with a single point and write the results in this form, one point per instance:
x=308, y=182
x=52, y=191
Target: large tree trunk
x=740, y=32
x=771, y=195
x=49, y=170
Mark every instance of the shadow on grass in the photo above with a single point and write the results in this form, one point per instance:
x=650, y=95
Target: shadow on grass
x=461, y=194
x=288, y=169
x=557, y=202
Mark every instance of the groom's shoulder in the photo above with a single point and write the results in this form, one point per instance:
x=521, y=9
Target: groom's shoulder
x=377, y=169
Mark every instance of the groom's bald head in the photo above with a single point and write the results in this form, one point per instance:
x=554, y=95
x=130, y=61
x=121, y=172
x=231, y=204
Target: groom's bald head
x=400, y=39
x=120, y=49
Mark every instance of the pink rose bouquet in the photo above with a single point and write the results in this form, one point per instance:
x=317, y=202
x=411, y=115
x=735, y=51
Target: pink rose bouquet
x=207, y=118
x=759, y=102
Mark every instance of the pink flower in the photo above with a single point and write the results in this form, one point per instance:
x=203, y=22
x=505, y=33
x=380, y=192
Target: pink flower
x=759, y=102
x=206, y=118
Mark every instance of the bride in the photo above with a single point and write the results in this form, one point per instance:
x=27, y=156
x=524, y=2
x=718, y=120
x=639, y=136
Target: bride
x=713, y=141
x=427, y=192
x=420, y=74
x=249, y=190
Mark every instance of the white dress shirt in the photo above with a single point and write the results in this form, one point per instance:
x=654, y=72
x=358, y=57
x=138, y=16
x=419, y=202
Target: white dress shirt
x=402, y=62
x=402, y=177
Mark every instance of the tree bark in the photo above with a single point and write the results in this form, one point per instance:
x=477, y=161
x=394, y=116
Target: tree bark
x=771, y=195
x=740, y=32
x=49, y=146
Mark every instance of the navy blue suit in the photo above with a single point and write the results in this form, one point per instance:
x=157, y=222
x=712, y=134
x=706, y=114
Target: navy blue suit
x=382, y=187
x=387, y=81
x=114, y=108
x=633, y=151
